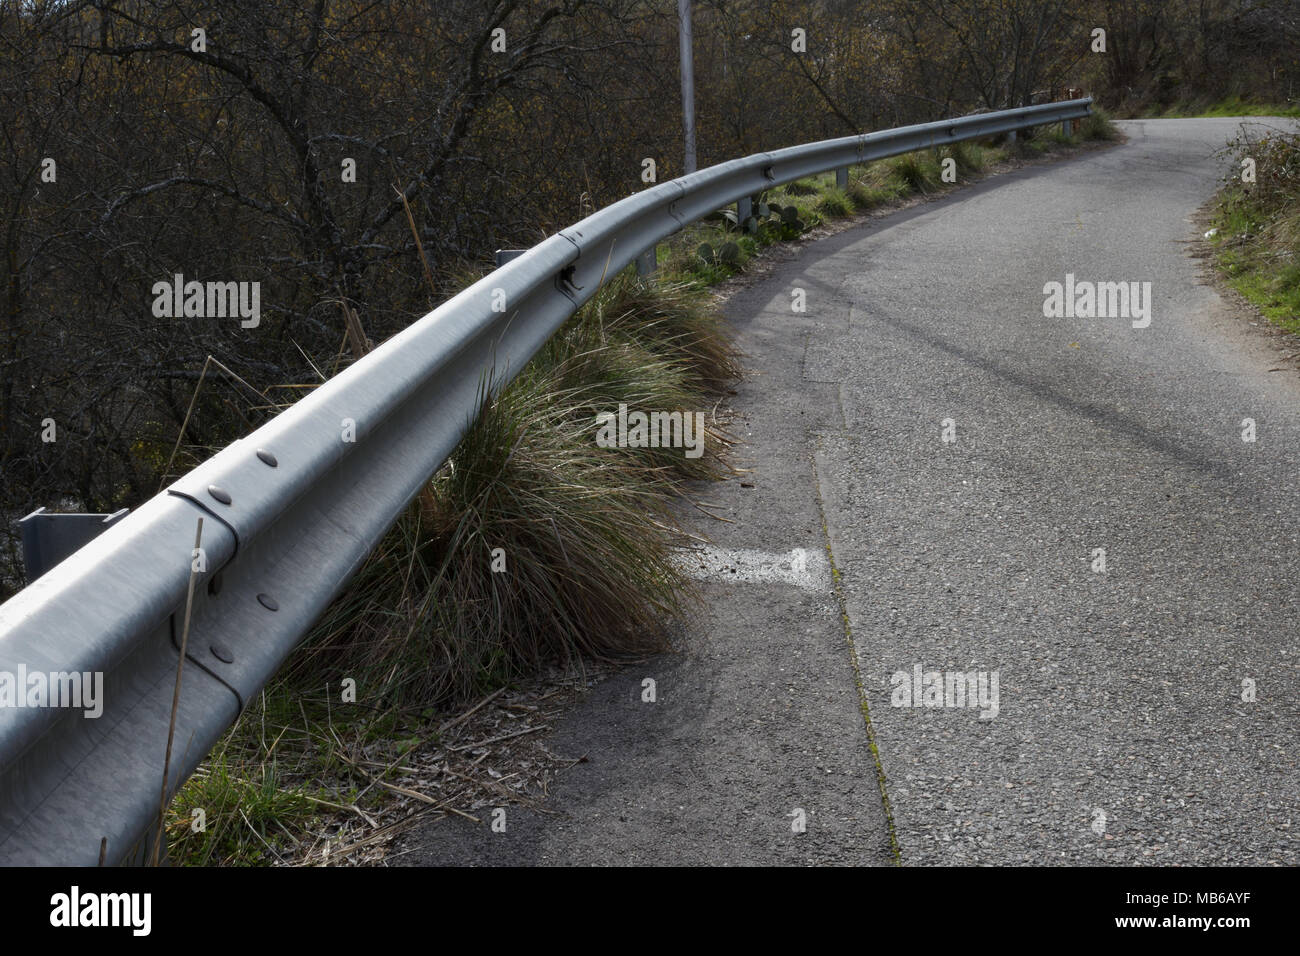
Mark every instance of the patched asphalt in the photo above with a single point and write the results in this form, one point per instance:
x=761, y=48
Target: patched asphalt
x=1121, y=734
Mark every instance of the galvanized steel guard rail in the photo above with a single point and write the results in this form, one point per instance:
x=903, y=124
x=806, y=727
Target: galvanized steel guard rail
x=292, y=510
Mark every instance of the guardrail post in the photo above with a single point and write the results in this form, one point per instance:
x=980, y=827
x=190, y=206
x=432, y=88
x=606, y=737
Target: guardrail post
x=744, y=209
x=1067, y=127
x=842, y=178
x=646, y=263
x=505, y=255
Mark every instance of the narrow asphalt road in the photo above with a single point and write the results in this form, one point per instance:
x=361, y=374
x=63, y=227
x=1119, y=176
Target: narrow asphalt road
x=1145, y=710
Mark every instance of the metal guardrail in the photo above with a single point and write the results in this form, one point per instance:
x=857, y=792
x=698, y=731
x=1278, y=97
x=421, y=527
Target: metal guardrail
x=293, y=509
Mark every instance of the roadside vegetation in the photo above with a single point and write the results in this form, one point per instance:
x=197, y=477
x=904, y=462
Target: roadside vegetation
x=719, y=246
x=1227, y=106
x=1256, y=225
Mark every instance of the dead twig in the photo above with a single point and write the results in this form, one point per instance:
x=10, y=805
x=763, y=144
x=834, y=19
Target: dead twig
x=471, y=712
x=493, y=740
x=176, y=693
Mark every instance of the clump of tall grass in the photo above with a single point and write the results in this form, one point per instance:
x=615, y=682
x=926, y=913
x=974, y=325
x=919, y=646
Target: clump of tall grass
x=918, y=172
x=802, y=187
x=968, y=156
x=671, y=319
x=1097, y=126
x=834, y=202
x=537, y=545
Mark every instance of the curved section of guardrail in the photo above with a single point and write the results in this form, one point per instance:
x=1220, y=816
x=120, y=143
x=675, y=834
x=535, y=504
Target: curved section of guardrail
x=292, y=510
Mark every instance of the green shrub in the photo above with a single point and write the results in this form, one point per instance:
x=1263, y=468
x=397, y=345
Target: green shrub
x=1097, y=125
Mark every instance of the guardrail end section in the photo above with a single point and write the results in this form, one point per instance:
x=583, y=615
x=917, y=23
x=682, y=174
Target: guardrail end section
x=49, y=537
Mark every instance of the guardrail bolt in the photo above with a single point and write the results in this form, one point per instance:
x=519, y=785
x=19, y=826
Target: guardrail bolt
x=267, y=458
x=567, y=279
x=222, y=653
x=220, y=494
x=268, y=602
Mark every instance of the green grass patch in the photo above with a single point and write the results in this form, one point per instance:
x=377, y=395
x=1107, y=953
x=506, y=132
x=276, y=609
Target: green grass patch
x=1228, y=106
x=1256, y=235
x=865, y=197
x=918, y=172
x=970, y=157
x=263, y=785
x=834, y=202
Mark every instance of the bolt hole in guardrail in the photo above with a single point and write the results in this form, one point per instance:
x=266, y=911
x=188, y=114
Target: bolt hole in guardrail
x=113, y=605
